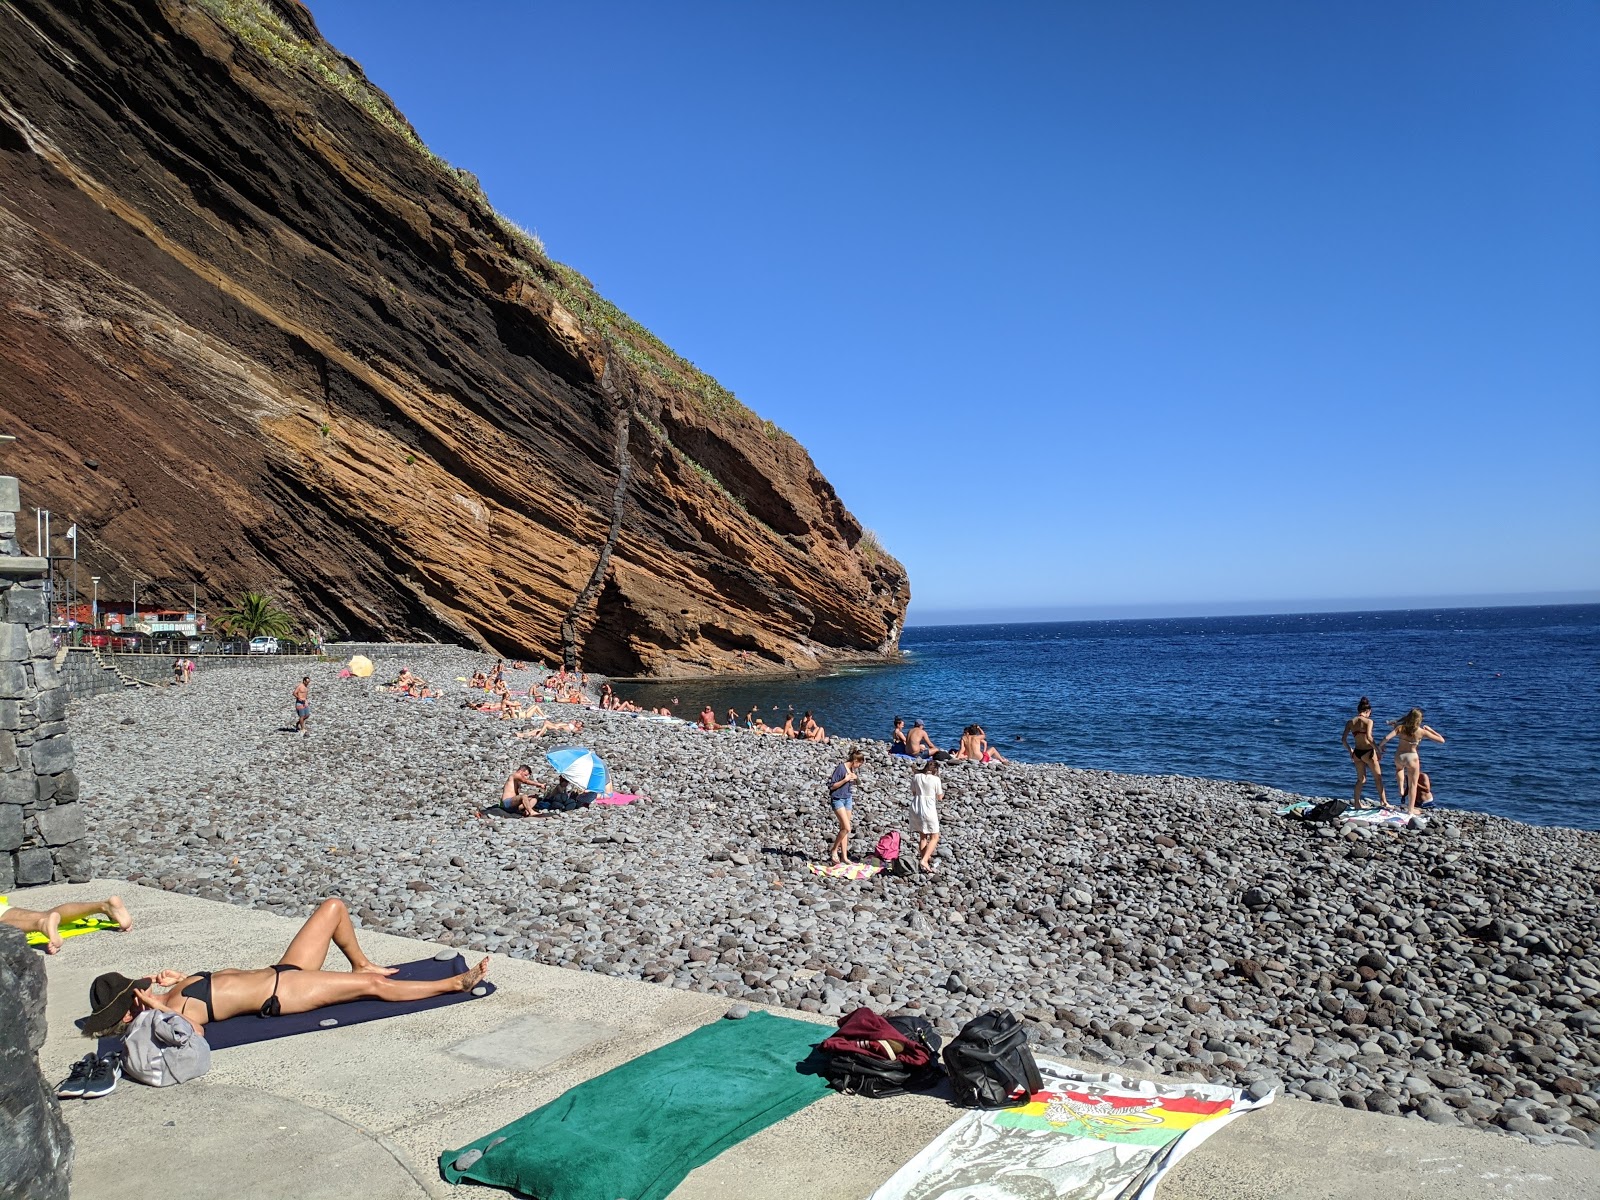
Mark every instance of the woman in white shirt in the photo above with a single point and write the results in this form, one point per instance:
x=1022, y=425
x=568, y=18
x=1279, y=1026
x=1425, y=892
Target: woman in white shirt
x=926, y=791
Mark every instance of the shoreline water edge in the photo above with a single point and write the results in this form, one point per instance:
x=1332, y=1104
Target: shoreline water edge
x=1449, y=973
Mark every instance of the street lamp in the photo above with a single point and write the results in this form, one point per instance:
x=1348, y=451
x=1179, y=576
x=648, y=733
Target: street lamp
x=94, y=611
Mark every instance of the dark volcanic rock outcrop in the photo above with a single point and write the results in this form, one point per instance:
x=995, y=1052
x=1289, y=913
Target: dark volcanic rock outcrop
x=253, y=334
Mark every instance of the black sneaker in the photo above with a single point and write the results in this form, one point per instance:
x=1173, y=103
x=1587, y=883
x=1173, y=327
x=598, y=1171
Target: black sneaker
x=71, y=1088
x=103, y=1080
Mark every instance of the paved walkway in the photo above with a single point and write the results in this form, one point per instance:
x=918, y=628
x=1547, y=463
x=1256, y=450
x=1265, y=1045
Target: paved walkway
x=366, y=1110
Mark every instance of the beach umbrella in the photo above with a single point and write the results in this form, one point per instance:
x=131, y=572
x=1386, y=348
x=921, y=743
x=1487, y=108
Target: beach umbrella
x=580, y=767
x=361, y=666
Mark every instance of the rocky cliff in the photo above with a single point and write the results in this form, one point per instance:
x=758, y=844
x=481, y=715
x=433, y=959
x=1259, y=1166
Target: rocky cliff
x=253, y=334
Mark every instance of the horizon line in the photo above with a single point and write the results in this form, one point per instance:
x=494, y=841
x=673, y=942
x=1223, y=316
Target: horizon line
x=1042, y=614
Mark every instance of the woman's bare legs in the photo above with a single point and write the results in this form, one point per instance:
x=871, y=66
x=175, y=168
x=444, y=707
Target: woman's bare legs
x=50, y=921
x=840, y=852
x=330, y=924
x=111, y=907
x=29, y=921
x=1407, y=767
x=306, y=991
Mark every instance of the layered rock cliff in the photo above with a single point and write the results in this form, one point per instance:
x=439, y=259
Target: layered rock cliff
x=254, y=335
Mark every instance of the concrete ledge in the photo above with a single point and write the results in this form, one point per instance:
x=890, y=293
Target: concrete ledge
x=16, y=567
x=366, y=1110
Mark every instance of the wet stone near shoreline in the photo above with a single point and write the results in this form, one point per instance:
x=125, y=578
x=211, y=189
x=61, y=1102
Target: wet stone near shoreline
x=1448, y=974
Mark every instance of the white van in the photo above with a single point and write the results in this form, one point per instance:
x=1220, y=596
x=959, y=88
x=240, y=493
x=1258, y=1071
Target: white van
x=263, y=645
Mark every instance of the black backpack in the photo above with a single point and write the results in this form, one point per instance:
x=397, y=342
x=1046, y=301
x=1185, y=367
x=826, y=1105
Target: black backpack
x=878, y=1078
x=1328, y=811
x=989, y=1061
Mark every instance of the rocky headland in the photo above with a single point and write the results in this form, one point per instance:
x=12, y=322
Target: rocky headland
x=255, y=335
x=1448, y=974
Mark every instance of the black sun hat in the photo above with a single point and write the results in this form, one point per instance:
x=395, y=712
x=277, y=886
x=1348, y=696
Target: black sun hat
x=111, y=1002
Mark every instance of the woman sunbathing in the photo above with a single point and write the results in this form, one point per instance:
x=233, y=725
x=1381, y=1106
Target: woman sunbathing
x=296, y=983
x=552, y=727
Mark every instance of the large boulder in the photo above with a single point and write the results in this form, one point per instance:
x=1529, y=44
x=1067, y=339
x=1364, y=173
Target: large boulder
x=35, y=1143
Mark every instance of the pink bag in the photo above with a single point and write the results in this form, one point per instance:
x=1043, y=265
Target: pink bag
x=889, y=846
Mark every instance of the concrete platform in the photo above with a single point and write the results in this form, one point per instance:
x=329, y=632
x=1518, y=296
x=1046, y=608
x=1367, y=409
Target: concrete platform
x=366, y=1110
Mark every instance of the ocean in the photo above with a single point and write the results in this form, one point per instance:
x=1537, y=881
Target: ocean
x=1515, y=692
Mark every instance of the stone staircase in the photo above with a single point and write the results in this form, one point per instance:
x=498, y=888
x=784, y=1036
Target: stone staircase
x=88, y=673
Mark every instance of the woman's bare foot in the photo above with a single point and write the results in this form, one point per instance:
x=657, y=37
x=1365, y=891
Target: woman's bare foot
x=473, y=977
x=372, y=968
x=52, y=931
x=118, y=911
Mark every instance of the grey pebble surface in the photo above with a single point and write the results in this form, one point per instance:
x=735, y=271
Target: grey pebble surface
x=1449, y=973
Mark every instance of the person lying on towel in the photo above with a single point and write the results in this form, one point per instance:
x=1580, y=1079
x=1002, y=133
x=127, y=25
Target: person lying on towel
x=296, y=983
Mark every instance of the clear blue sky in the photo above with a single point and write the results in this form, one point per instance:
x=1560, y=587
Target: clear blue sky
x=1089, y=304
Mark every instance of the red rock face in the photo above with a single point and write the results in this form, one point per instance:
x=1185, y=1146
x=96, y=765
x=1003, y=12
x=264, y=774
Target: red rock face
x=253, y=335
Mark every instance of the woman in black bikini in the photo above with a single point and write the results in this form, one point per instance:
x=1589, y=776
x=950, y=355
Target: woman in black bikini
x=1357, y=739
x=296, y=983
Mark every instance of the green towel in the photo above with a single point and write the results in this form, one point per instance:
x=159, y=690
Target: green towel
x=636, y=1131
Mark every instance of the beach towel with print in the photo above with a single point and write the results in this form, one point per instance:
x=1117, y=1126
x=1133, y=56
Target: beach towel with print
x=1084, y=1136
x=844, y=870
x=637, y=1130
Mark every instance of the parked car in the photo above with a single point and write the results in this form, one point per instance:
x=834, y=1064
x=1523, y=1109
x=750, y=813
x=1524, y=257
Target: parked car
x=263, y=645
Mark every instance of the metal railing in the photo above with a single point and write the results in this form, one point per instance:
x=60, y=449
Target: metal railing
x=178, y=645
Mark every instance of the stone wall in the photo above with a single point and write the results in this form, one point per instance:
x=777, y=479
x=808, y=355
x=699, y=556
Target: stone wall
x=42, y=828
x=35, y=1143
x=43, y=834
x=89, y=672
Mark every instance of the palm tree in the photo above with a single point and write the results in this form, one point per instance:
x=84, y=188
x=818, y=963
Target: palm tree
x=256, y=615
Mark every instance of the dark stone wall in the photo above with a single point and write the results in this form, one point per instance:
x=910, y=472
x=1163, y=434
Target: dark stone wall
x=35, y=1143
x=43, y=834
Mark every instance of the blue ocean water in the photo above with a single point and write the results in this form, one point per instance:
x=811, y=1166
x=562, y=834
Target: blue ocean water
x=1515, y=691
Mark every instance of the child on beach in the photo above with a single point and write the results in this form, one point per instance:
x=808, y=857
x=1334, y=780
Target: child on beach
x=927, y=789
x=50, y=920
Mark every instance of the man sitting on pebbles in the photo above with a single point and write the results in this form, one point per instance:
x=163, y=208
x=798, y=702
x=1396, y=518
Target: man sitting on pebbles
x=49, y=922
x=511, y=797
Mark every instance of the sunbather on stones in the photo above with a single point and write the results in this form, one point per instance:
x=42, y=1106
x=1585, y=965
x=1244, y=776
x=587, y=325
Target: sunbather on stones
x=296, y=983
x=708, y=719
x=49, y=921
x=511, y=797
x=918, y=743
x=552, y=727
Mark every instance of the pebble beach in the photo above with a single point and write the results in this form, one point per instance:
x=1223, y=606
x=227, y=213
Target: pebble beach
x=1448, y=973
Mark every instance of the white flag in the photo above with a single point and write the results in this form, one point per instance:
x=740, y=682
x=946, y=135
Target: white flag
x=72, y=534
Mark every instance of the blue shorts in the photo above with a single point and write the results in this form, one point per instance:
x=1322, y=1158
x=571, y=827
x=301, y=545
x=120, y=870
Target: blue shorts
x=848, y=802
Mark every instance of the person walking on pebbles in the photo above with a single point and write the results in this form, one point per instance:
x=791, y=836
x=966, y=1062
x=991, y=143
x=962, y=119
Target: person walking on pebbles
x=927, y=789
x=1407, y=762
x=302, y=706
x=841, y=798
x=49, y=922
x=1357, y=741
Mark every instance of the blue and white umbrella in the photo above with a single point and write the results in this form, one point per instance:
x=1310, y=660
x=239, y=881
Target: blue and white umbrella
x=580, y=767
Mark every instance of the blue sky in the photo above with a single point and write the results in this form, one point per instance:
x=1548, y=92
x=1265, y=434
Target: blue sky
x=1090, y=306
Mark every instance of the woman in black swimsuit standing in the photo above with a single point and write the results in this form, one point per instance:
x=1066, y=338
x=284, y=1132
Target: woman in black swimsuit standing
x=1364, y=753
x=296, y=983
